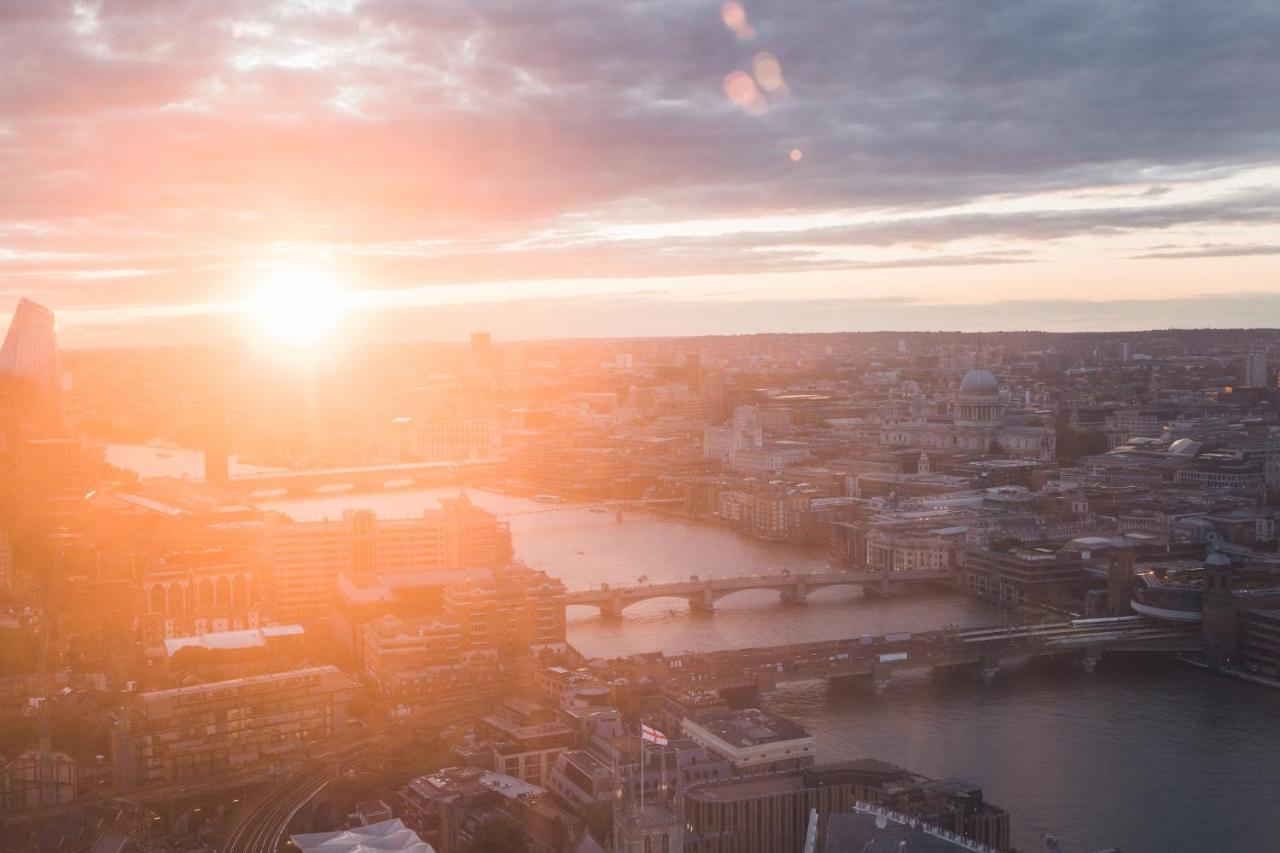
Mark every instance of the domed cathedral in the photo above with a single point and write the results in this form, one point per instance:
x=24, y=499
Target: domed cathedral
x=979, y=422
x=978, y=402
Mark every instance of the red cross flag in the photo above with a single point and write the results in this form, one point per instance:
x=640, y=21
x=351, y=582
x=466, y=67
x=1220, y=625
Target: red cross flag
x=652, y=735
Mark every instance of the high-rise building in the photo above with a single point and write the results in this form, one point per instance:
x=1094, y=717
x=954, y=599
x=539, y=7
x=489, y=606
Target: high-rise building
x=30, y=373
x=1255, y=369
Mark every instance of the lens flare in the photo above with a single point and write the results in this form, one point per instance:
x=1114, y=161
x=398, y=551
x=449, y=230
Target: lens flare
x=298, y=306
x=742, y=90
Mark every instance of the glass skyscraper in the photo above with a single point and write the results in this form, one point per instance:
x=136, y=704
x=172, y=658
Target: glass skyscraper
x=30, y=372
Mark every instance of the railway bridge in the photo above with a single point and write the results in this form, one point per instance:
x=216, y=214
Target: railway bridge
x=703, y=593
x=986, y=649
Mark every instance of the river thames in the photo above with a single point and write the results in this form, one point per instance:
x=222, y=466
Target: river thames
x=1149, y=757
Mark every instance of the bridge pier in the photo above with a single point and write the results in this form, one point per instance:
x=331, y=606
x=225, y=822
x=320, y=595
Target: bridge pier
x=611, y=610
x=798, y=594
x=1090, y=660
x=703, y=602
x=881, y=675
x=988, y=668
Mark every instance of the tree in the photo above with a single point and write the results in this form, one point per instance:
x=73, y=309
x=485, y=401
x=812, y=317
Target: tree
x=500, y=835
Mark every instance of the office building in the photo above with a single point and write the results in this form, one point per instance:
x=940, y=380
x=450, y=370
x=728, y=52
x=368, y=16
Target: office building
x=1255, y=369
x=304, y=559
x=189, y=733
x=30, y=373
x=511, y=608
x=770, y=813
x=753, y=741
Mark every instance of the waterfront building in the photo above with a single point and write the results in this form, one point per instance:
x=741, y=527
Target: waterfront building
x=1024, y=574
x=304, y=559
x=514, y=607
x=188, y=733
x=753, y=741
x=454, y=439
x=770, y=813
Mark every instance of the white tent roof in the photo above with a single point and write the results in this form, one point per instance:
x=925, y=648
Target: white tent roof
x=387, y=836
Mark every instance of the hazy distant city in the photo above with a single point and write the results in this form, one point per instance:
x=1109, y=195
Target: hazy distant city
x=630, y=594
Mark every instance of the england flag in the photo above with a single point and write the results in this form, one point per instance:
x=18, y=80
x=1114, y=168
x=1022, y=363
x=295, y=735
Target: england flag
x=652, y=735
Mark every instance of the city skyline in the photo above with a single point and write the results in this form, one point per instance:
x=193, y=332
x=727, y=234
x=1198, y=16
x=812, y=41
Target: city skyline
x=575, y=170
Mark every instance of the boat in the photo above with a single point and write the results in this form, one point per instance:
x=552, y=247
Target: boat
x=164, y=454
x=548, y=499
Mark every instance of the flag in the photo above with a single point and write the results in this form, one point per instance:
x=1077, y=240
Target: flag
x=652, y=735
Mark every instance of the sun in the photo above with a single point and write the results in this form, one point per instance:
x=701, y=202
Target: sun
x=298, y=306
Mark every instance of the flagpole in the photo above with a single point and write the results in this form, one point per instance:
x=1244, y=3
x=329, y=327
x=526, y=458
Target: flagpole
x=642, y=765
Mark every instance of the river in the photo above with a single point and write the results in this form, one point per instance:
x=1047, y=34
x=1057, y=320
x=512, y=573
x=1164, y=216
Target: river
x=1152, y=757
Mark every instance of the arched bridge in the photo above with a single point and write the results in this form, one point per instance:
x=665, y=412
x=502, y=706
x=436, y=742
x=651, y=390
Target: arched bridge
x=702, y=594
x=394, y=475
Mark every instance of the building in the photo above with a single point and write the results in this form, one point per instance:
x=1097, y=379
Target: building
x=771, y=813
x=303, y=560
x=453, y=439
x=30, y=376
x=753, y=741
x=867, y=827
x=1024, y=575
x=524, y=739
x=192, y=592
x=186, y=733
x=422, y=659
x=978, y=423
x=1255, y=369
x=448, y=807
x=511, y=608
x=38, y=777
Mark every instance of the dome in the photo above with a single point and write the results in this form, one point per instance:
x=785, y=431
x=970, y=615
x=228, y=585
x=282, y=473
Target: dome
x=979, y=382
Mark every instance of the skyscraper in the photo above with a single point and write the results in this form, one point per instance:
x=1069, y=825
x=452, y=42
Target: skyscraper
x=30, y=372
x=1255, y=370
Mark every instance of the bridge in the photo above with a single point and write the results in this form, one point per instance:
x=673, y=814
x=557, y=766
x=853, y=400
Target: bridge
x=394, y=475
x=877, y=658
x=703, y=593
x=596, y=506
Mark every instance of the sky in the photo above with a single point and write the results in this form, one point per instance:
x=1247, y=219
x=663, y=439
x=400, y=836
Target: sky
x=565, y=168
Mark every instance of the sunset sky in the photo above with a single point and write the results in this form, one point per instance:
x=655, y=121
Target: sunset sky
x=550, y=168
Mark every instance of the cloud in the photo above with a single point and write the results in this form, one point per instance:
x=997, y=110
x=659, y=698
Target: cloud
x=1210, y=250
x=169, y=147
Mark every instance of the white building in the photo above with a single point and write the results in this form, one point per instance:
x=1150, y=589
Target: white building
x=979, y=423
